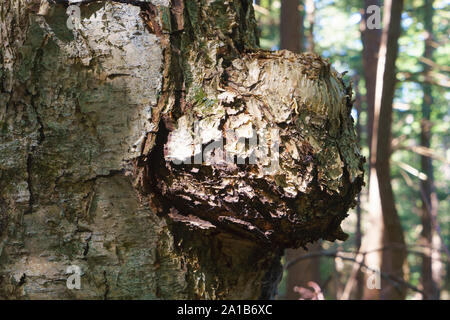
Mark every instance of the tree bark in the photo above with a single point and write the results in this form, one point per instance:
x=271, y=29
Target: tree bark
x=310, y=9
x=371, y=43
x=95, y=118
x=358, y=277
x=429, y=238
x=291, y=26
x=381, y=198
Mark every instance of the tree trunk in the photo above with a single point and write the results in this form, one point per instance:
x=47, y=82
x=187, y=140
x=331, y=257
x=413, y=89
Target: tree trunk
x=310, y=9
x=371, y=43
x=430, y=239
x=381, y=201
x=291, y=26
x=358, y=277
x=98, y=122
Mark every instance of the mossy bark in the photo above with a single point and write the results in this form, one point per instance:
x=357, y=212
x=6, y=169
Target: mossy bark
x=87, y=119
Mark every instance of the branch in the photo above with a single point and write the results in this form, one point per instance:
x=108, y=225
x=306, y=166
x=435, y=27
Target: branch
x=434, y=78
x=335, y=254
x=423, y=151
x=433, y=64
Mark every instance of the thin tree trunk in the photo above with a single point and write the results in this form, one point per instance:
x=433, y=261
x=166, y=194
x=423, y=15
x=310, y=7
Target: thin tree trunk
x=381, y=202
x=358, y=103
x=359, y=276
x=96, y=113
x=291, y=26
x=371, y=43
x=431, y=241
x=310, y=9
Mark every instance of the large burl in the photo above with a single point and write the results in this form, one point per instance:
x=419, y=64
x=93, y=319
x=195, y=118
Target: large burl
x=264, y=149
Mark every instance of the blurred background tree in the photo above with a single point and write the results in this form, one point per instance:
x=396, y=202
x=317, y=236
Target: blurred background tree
x=402, y=118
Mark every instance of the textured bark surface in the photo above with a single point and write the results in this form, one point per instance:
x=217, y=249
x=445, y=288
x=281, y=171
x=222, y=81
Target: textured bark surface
x=90, y=119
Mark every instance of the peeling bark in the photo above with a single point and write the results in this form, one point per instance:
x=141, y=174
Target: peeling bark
x=88, y=119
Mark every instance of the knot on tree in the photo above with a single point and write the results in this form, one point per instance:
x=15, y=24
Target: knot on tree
x=263, y=148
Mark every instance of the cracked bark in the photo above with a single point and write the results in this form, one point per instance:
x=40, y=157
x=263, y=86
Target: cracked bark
x=88, y=118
